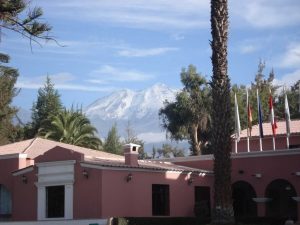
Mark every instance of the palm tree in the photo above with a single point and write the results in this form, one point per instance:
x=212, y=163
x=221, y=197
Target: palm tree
x=221, y=116
x=72, y=127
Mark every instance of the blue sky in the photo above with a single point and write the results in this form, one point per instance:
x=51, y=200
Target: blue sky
x=111, y=45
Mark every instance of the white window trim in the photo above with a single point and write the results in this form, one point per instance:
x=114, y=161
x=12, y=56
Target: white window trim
x=67, y=182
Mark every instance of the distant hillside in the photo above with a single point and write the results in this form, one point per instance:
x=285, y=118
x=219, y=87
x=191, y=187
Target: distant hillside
x=140, y=108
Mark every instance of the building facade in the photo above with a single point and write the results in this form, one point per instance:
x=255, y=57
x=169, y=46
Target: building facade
x=43, y=180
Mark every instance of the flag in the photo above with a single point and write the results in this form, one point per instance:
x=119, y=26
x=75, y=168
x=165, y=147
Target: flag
x=299, y=97
x=272, y=117
x=237, y=119
x=249, y=115
x=287, y=115
x=260, y=116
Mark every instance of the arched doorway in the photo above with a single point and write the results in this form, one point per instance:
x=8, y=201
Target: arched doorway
x=243, y=204
x=282, y=205
x=5, y=203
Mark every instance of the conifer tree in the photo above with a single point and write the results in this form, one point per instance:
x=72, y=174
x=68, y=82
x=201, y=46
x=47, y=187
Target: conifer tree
x=113, y=143
x=8, y=78
x=29, y=25
x=47, y=105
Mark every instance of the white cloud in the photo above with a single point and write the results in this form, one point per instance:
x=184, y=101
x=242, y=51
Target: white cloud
x=247, y=49
x=288, y=79
x=62, y=81
x=109, y=73
x=154, y=14
x=177, y=37
x=152, y=137
x=291, y=58
x=131, y=52
x=266, y=13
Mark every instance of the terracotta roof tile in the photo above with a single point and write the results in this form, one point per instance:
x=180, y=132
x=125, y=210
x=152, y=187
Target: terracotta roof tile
x=281, y=129
x=38, y=146
x=147, y=164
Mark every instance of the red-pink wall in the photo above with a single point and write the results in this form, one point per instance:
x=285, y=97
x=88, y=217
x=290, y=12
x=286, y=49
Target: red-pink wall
x=25, y=197
x=87, y=193
x=270, y=167
x=134, y=198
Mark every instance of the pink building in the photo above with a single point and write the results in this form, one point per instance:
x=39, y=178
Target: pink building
x=46, y=180
x=265, y=183
x=43, y=180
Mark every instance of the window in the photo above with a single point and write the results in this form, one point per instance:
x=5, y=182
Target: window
x=202, y=201
x=55, y=201
x=160, y=200
x=5, y=202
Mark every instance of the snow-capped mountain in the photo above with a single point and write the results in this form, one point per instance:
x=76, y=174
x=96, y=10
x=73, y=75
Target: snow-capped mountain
x=140, y=108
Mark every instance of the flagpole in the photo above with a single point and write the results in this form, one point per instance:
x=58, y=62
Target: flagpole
x=258, y=107
x=287, y=119
x=247, y=106
x=237, y=123
x=272, y=118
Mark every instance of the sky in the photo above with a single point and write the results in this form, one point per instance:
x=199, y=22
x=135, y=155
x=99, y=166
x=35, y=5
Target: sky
x=112, y=45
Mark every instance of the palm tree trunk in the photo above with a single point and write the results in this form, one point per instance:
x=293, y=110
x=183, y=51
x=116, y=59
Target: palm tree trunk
x=221, y=116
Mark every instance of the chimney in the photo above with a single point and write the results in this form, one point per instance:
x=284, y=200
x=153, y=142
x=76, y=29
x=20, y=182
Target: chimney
x=131, y=154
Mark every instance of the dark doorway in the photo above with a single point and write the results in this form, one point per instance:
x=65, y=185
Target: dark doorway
x=281, y=206
x=55, y=198
x=5, y=203
x=202, y=202
x=243, y=205
x=160, y=200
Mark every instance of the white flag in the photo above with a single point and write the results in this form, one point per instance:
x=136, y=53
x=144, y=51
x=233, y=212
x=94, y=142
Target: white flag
x=237, y=119
x=287, y=116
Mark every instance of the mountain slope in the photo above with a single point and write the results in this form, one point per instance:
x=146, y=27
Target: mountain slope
x=140, y=108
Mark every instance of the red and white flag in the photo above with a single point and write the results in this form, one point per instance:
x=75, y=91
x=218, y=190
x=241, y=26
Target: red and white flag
x=272, y=117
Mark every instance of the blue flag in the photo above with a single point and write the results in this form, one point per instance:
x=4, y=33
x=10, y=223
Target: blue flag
x=260, y=118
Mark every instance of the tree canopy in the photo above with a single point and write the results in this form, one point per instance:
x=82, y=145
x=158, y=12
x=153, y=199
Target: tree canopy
x=48, y=104
x=113, y=143
x=8, y=78
x=189, y=116
x=29, y=25
x=71, y=127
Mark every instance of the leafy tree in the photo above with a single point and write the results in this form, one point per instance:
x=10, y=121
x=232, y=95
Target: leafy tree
x=167, y=151
x=48, y=104
x=221, y=115
x=113, y=143
x=131, y=137
x=293, y=95
x=30, y=25
x=8, y=78
x=189, y=116
x=71, y=127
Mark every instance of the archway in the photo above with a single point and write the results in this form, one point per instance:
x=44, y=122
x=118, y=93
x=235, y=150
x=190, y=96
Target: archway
x=282, y=205
x=243, y=204
x=5, y=203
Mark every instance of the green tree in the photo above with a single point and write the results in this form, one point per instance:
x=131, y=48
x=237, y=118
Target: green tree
x=29, y=25
x=189, y=116
x=293, y=95
x=71, y=127
x=167, y=151
x=113, y=143
x=48, y=104
x=221, y=114
x=8, y=78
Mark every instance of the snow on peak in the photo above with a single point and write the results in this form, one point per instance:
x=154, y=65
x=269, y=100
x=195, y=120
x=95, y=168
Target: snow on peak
x=127, y=104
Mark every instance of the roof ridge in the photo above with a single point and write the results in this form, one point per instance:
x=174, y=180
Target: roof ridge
x=31, y=143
